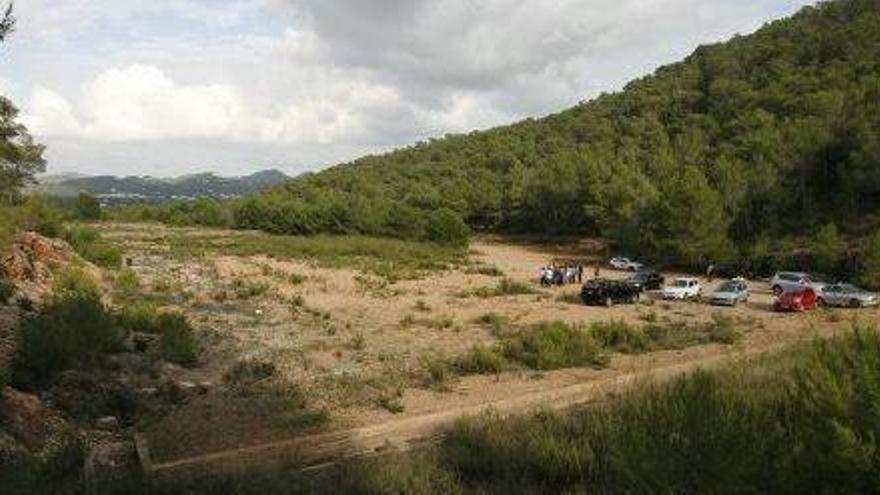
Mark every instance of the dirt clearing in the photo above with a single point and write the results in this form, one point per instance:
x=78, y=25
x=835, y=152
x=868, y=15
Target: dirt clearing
x=292, y=346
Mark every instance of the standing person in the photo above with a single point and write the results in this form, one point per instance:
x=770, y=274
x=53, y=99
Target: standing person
x=598, y=271
x=710, y=272
x=580, y=273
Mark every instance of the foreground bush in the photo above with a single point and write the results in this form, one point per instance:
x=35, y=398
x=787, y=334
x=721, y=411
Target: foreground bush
x=73, y=330
x=178, y=343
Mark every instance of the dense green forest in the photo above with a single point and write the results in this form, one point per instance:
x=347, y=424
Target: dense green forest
x=772, y=134
x=766, y=143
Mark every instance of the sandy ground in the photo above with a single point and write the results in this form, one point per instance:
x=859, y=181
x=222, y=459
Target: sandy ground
x=340, y=338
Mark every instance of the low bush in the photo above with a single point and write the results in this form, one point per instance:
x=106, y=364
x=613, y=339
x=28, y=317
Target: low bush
x=548, y=346
x=74, y=330
x=87, y=242
x=178, y=339
x=480, y=360
x=506, y=287
x=140, y=317
x=621, y=337
x=177, y=343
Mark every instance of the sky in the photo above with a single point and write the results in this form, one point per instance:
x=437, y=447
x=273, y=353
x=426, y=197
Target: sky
x=171, y=87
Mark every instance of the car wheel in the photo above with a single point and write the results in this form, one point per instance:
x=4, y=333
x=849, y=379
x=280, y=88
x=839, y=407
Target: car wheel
x=820, y=302
x=855, y=303
x=777, y=290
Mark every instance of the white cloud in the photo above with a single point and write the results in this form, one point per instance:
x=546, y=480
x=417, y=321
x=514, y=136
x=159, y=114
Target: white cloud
x=51, y=115
x=142, y=103
x=316, y=82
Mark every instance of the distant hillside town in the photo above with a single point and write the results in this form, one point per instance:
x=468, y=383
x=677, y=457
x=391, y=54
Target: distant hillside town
x=113, y=191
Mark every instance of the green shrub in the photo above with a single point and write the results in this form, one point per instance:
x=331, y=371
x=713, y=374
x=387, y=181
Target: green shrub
x=127, y=281
x=480, y=360
x=548, y=346
x=73, y=330
x=178, y=340
x=87, y=207
x=87, y=242
x=43, y=216
x=74, y=282
x=620, y=337
x=496, y=322
x=446, y=227
x=505, y=287
x=140, y=317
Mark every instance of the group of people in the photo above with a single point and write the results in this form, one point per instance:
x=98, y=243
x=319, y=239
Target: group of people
x=562, y=275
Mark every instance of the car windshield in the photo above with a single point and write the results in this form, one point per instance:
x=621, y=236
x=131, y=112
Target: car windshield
x=849, y=288
x=729, y=287
x=680, y=283
x=818, y=277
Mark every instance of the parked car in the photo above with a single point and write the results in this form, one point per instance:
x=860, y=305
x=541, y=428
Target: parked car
x=683, y=289
x=646, y=280
x=796, y=281
x=607, y=293
x=626, y=264
x=798, y=301
x=730, y=293
x=849, y=295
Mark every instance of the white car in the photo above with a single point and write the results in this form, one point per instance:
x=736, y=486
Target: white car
x=796, y=282
x=683, y=289
x=626, y=264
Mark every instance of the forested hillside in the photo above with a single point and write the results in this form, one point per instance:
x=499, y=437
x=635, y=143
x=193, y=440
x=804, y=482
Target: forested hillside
x=770, y=135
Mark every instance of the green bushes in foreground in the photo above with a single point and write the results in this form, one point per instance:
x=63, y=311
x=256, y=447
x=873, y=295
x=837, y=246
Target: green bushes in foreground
x=555, y=345
x=800, y=422
x=178, y=344
x=74, y=329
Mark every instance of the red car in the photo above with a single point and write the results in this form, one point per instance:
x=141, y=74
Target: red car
x=804, y=300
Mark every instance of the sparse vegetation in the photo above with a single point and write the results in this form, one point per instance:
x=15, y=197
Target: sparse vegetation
x=704, y=433
x=250, y=370
x=506, y=287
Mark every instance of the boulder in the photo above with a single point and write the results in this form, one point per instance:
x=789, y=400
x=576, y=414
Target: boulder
x=107, y=423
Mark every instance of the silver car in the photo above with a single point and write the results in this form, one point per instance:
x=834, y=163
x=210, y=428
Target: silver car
x=730, y=293
x=847, y=295
x=796, y=282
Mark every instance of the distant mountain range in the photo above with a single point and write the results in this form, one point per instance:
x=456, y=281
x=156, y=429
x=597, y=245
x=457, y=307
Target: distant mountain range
x=127, y=190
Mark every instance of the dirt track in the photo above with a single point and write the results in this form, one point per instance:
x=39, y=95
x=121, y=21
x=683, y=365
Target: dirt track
x=403, y=434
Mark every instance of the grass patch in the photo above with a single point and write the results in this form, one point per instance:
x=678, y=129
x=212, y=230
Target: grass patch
x=506, y=287
x=391, y=259
x=487, y=270
x=87, y=242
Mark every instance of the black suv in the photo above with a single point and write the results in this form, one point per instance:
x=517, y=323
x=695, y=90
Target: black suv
x=608, y=293
x=646, y=280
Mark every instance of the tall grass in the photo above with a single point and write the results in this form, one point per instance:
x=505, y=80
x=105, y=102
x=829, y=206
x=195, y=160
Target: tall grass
x=799, y=422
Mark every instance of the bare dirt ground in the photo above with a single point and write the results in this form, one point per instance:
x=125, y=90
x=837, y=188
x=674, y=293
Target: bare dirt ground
x=350, y=347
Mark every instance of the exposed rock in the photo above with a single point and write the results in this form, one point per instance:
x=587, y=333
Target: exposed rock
x=32, y=261
x=33, y=435
x=108, y=423
x=109, y=459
